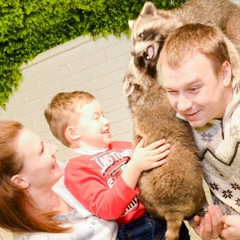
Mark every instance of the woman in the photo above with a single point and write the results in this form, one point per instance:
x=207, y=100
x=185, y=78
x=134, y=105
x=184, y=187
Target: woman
x=34, y=203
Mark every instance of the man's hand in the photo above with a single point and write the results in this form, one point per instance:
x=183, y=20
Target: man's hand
x=210, y=226
x=231, y=229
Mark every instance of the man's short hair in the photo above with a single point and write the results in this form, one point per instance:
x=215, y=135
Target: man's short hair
x=191, y=38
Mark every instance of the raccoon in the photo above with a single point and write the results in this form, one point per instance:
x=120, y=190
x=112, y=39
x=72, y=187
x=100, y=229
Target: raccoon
x=173, y=191
x=153, y=26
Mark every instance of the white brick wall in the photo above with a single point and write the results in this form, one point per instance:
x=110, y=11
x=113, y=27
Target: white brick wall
x=81, y=64
x=236, y=2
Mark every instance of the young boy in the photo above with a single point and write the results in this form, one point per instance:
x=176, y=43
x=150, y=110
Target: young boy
x=104, y=174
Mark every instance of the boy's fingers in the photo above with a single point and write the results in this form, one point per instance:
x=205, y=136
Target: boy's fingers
x=162, y=154
x=140, y=144
x=164, y=147
x=156, y=144
x=159, y=163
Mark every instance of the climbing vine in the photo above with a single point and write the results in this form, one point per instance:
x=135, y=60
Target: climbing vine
x=29, y=27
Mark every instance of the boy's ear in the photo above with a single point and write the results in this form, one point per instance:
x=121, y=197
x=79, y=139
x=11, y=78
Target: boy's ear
x=20, y=181
x=226, y=73
x=71, y=133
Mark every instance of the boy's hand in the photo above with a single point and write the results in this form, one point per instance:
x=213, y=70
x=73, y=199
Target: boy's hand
x=145, y=158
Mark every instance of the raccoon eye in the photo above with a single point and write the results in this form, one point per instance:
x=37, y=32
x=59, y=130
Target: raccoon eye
x=140, y=35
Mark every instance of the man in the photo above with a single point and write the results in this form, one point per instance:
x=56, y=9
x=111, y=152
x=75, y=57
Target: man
x=198, y=79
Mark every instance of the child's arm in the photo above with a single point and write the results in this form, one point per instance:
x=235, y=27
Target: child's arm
x=144, y=159
x=88, y=185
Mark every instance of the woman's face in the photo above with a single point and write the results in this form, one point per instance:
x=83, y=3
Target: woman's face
x=40, y=169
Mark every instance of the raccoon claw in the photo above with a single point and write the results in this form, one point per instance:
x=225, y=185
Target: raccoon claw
x=149, y=53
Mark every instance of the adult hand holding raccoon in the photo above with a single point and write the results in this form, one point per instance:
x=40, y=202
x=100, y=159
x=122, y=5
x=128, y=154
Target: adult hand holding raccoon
x=214, y=224
x=231, y=229
x=210, y=226
x=197, y=75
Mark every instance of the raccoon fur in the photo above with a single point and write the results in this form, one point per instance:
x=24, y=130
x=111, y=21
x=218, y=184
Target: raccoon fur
x=173, y=191
x=154, y=25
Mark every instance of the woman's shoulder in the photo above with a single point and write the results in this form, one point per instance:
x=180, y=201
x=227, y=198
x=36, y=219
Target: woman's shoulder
x=42, y=236
x=49, y=236
x=91, y=228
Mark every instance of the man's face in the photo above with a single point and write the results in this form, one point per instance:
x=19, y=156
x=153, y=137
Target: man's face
x=196, y=92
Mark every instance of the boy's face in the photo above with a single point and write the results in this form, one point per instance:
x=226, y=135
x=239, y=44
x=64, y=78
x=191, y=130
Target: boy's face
x=93, y=127
x=196, y=92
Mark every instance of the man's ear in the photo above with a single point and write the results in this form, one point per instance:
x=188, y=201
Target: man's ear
x=71, y=133
x=226, y=73
x=17, y=179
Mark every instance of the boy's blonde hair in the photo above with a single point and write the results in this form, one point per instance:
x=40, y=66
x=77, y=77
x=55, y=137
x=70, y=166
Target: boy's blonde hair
x=63, y=112
x=192, y=38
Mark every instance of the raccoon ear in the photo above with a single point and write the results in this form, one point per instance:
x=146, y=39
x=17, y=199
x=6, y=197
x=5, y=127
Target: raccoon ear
x=131, y=23
x=127, y=86
x=149, y=9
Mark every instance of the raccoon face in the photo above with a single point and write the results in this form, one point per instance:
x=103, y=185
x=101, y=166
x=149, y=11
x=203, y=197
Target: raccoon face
x=147, y=42
x=150, y=30
x=146, y=37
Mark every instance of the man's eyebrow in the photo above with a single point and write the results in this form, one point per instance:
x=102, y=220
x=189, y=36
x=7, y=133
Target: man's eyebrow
x=166, y=87
x=197, y=80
